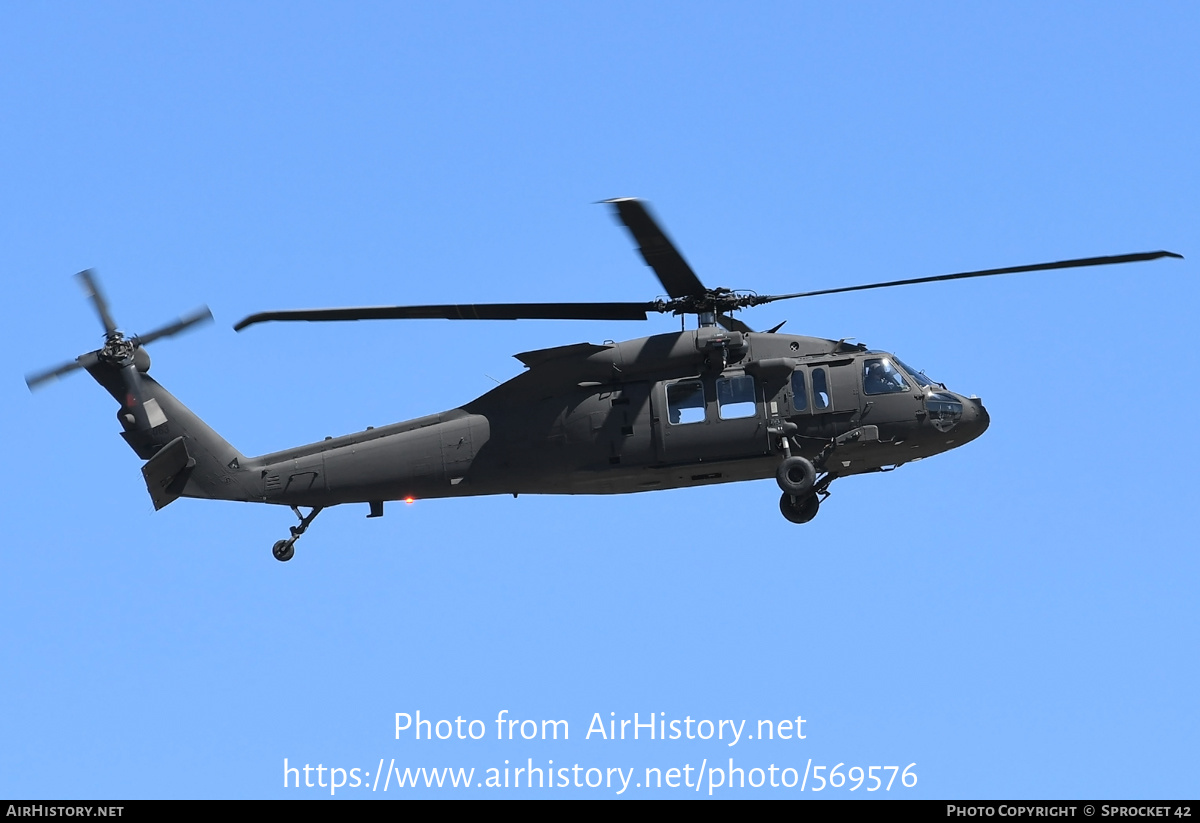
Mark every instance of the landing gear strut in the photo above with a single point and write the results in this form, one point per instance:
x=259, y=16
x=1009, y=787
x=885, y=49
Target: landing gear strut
x=798, y=479
x=284, y=550
x=803, y=490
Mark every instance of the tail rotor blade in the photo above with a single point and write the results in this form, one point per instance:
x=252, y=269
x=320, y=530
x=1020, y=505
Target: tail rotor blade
x=200, y=315
x=39, y=379
x=88, y=282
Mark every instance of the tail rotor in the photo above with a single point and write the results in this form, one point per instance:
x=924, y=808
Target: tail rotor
x=121, y=357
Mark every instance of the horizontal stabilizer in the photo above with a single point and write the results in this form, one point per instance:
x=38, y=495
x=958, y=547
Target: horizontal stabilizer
x=167, y=472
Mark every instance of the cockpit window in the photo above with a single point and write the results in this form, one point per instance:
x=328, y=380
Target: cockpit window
x=881, y=377
x=685, y=402
x=922, y=381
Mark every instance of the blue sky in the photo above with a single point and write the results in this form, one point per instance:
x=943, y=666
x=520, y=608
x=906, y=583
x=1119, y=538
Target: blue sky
x=1018, y=618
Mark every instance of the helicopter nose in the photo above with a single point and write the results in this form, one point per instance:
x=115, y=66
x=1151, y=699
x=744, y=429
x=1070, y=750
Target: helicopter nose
x=975, y=417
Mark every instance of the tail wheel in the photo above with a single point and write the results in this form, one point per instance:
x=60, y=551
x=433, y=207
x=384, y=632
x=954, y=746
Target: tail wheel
x=796, y=476
x=799, y=510
x=283, y=550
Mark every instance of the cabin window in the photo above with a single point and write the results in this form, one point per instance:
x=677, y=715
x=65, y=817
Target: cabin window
x=735, y=397
x=820, y=390
x=799, y=392
x=685, y=402
x=881, y=377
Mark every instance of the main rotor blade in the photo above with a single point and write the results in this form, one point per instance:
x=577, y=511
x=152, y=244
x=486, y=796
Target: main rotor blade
x=200, y=315
x=469, y=311
x=97, y=297
x=657, y=249
x=37, y=379
x=1062, y=264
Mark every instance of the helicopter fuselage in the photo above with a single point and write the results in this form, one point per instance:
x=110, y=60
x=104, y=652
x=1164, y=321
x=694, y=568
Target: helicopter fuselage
x=673, y=410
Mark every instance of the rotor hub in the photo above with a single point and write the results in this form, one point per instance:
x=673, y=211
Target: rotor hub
x=118, y=350
x=715, y=301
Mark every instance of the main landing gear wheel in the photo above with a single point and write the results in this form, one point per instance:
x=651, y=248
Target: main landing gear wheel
x=799, y=510
x=283, y=550
x=796, y=476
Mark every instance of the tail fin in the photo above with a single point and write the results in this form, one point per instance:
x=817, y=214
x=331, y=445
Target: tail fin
x=186, y=458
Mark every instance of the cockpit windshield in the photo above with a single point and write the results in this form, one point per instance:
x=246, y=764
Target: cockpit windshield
x=881, y=377
x=919, y=376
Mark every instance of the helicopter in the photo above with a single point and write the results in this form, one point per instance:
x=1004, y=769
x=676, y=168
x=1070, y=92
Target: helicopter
x=719, y=403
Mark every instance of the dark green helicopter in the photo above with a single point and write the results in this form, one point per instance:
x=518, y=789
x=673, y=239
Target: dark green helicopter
x=716, y=404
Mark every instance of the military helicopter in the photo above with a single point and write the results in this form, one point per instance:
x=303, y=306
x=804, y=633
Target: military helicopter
x=716, y=404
